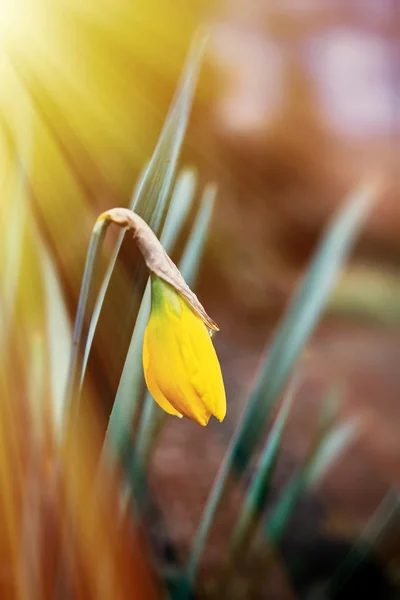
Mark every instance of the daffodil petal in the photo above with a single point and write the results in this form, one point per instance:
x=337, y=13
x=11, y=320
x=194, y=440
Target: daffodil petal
x=179, y=358
x=152, y=384
x=177, y=387
x=170, y=372
x=206, y=374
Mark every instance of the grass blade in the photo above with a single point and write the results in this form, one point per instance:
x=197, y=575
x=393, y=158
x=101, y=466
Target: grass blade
x=293, y=333
x=377, y=527
x=161, y=171
x=329, y=444
x=104, y=285
x=326, y=451
x=84, y=311
x=190, y=261
x=151, y=195
x=257, y=495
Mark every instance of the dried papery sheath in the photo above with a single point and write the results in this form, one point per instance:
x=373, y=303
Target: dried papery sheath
x=180, y=365
x=156, y=259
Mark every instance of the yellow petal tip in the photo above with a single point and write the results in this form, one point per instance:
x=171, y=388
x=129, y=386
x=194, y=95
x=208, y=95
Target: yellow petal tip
x=220, y=414
x=203, y=420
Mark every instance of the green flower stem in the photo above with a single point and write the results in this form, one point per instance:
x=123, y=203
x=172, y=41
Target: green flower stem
x=81, y=328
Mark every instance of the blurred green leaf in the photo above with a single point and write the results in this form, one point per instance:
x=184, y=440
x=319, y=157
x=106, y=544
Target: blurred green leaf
x=192, y=255
x=104, y=285
x=150, y=199
x=329, y=444
x=260, y=485
x=150, y=203
x=84, y=310
x=179, y=208
x=327, y=450
x=298, y=323
x=376, y=529
x=335, y=443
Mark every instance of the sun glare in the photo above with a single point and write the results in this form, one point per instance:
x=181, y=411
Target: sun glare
x=11, y=12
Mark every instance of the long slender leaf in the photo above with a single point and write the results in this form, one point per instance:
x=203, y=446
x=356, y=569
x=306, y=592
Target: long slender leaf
x=180, y=205
x=330, y=442
x=326, y=452
x=151, y=204
x=104, y=285
x=190, y=261
x=152, y=192
x=299, y=322
x=131, y=385
x=335, y=443
x=257, y=494
x=321, y=454
x=84, y=311
x=376, y=529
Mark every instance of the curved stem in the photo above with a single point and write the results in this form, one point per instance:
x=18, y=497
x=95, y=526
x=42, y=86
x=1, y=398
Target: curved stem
x=81, y=327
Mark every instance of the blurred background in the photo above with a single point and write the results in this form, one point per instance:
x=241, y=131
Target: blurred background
x=297, y=102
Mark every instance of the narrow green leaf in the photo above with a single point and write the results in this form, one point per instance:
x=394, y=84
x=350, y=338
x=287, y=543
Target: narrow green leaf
x=104, y=285
x=130, y=389
x=162, y=167
x=150, y=199
x=84, y=311
x=190, y=261
x=377, y=527
x=180, y=205
x=259, y=488
x=335, y=443
x=299, y=322
x=150, y=203
x=327, y=451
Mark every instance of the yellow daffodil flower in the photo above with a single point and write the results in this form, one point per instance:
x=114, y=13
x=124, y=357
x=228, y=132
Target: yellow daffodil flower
x=180, y=364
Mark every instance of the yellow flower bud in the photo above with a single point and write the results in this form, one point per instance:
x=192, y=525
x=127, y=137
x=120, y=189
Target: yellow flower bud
x=180, y=364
